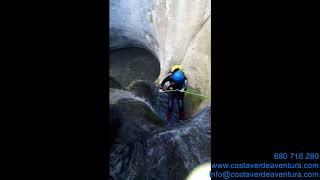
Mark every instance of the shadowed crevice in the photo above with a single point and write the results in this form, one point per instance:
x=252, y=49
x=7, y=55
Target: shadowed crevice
x=131, y=64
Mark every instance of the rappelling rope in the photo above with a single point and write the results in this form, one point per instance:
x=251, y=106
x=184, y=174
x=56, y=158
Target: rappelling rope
x=164, y=92
x=187, y=92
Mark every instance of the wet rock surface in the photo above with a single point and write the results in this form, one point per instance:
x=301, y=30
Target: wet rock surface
x=144, y=89
x=144, y=148
x=166, y=153
x=113, y=83
x=133, y=120
x=130, y=64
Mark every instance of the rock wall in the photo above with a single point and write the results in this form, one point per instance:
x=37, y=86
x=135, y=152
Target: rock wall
x=174, y=31
x=131, y=25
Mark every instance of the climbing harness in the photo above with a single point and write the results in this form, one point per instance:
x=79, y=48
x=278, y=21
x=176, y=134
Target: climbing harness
x=164, y=92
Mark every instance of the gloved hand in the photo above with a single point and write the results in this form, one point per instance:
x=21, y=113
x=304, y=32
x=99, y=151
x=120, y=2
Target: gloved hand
x=160, y=90
x=180, y=90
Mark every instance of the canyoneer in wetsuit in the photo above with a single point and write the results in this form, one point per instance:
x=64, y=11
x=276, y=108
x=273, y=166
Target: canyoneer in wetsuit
x=178, y=81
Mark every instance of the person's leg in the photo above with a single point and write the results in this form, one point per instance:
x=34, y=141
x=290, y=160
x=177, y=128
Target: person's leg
x=170, y=106
x=181, y=106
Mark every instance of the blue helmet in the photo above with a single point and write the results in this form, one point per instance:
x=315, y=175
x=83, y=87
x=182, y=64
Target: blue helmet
x=178, y=77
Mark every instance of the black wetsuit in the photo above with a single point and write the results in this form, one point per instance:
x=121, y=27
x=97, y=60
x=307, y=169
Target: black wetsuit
x=175, y=95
